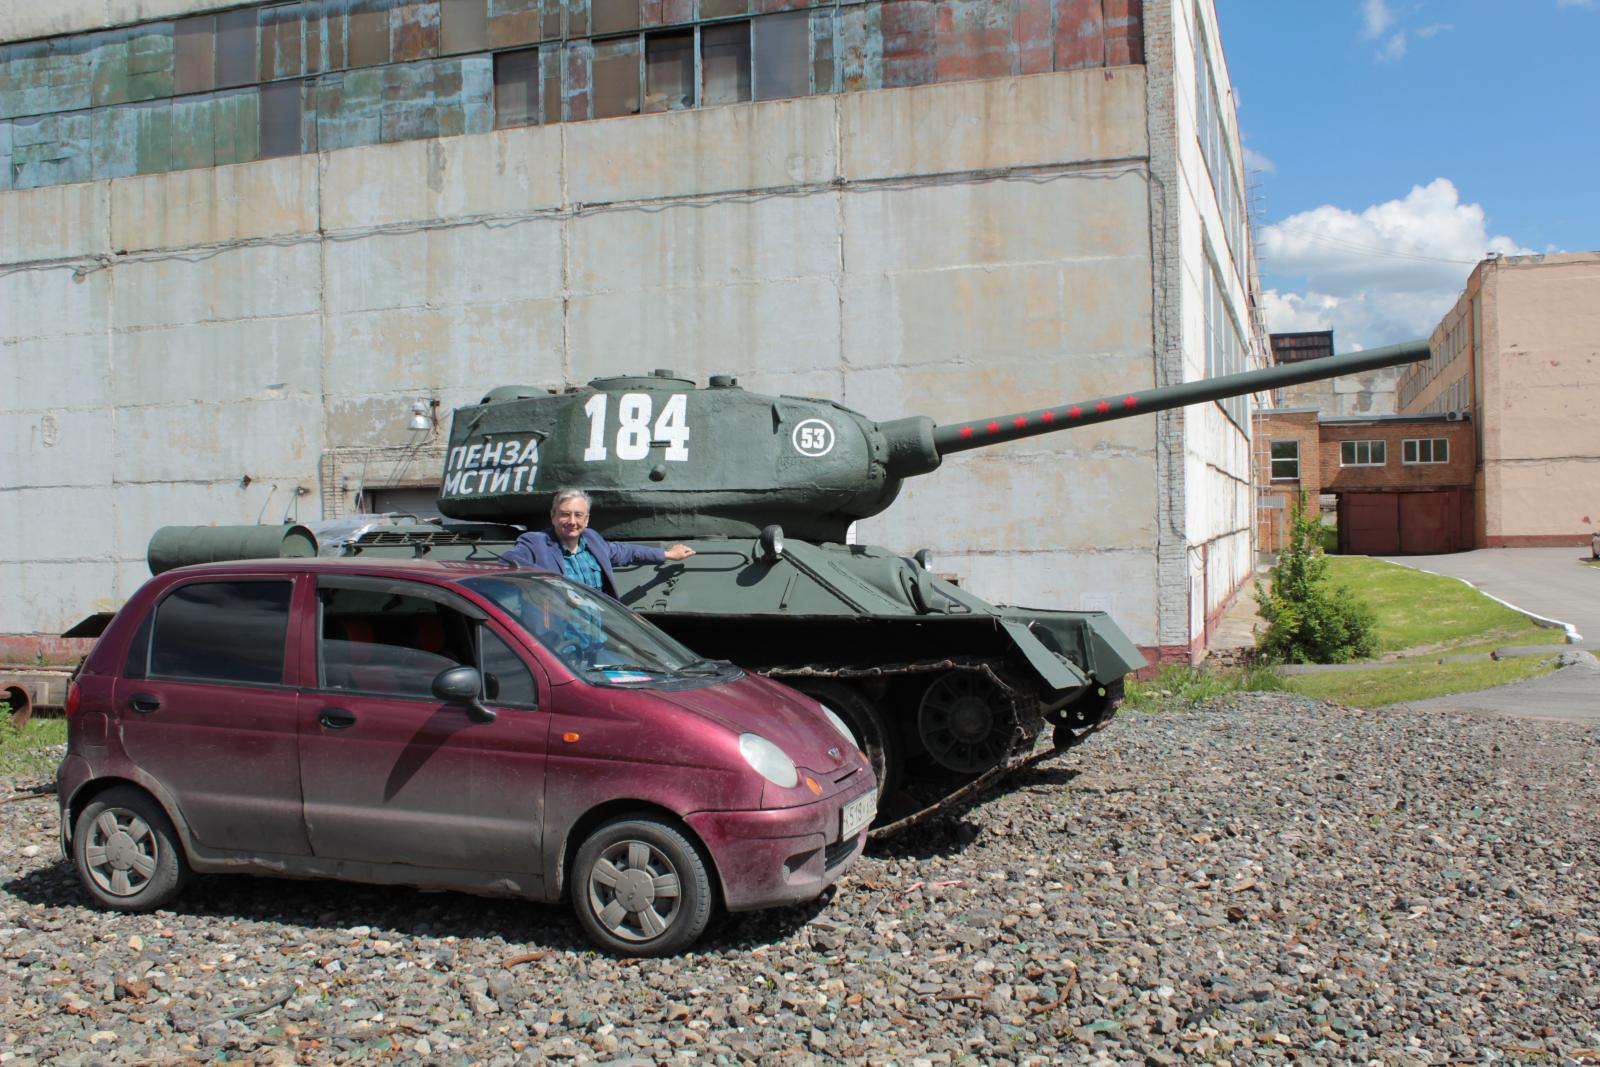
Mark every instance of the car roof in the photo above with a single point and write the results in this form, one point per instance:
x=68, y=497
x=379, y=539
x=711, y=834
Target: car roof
x=436, y=570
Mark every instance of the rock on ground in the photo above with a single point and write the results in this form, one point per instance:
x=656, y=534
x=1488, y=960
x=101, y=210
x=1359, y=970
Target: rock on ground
x=1265, y=879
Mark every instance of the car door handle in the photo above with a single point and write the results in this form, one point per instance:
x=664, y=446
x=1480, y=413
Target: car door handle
x=336, y=718
x=144, y=703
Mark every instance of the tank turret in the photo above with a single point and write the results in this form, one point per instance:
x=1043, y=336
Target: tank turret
x=666, y=460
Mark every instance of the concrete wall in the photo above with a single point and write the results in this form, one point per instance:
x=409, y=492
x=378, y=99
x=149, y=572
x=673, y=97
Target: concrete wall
x=245, y=342
x=1540, y=389
x=21, y=20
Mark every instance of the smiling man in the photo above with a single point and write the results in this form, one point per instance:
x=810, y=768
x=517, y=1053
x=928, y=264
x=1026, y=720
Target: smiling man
x=570, y=548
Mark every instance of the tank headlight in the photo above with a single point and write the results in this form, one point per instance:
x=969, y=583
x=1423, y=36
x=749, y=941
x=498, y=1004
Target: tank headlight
x=924, y=558
x=838, y=724
x=768, y=760
x=772, y=543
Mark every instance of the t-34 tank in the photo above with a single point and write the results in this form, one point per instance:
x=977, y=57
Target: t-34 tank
x=939, y=686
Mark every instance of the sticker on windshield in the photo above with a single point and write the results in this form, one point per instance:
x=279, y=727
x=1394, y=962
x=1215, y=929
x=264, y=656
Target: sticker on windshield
x=812, y=437
x=625, y=676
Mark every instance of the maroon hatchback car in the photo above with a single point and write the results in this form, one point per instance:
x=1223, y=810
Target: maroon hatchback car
x=453, y=725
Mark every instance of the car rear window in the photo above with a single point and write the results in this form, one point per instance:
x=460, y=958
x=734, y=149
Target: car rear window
x=222, y=632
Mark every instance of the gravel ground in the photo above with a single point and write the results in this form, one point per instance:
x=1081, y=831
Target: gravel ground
x=1264, y=879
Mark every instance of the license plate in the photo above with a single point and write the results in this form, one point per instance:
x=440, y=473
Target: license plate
x=857, y=814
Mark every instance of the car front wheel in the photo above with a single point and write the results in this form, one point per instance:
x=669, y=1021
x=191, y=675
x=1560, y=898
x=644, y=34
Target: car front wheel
x=126, y=851
x=641, y=888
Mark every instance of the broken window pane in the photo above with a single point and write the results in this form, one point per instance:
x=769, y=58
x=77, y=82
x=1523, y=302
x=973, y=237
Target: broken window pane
x=280, y=119
x=369, y=35
x=550, y=59
x=725, y=61
x=615, y=77
x=669, y=71
x=193, y=55
x=463, y=26
x=783, y=55
x=613, y=16
x=516, y=88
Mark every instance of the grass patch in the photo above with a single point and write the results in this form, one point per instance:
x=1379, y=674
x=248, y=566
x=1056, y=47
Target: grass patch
x=1395, y=685
x=1418, y=611
x=26, y=752
x=1176, y=684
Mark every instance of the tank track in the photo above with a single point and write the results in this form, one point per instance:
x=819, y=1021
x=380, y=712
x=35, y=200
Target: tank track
x=1027, y=722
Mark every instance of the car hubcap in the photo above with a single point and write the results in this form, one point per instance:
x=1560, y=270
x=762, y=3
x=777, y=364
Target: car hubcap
x=121, y=853
x=634, y=891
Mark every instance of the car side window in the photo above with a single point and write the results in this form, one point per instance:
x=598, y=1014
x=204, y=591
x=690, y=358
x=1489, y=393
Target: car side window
x=387, y=642
x=506, y=679
x=222, y=632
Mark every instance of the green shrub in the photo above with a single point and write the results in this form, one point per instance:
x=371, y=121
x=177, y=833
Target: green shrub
x=1310, y=620
x=1327, y=538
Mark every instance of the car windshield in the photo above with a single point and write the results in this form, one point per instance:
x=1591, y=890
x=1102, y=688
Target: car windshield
x=589, y=632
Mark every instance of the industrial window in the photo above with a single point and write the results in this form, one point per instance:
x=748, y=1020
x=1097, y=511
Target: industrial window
x=516, y=88
x=1285, y=461
x=613, y=16
x=194, y=55
x=725, y=63
x=782, y=55
x=236, y=48
x=1425, y=450
x=669, y=71
x=368, y=29
x=1362, y=454
x=615, y=78
x=463, y=26
x=280, y=119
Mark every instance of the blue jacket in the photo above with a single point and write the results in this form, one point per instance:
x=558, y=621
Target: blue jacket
x=541, y=551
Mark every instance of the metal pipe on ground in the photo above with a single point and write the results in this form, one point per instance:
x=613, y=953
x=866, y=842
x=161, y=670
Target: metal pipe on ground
x=16, y=702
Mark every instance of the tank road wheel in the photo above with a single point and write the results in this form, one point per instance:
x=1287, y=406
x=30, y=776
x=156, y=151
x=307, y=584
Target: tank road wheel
x=874, y=735
x=967, y=721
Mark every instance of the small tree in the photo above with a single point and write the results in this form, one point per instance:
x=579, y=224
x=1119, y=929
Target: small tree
x=1308, y=619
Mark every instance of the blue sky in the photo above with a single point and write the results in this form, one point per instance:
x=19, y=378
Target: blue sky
x=1393, y=143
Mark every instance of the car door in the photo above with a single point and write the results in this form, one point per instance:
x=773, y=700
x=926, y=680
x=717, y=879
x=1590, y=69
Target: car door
x=392, y=774
x=205, y=711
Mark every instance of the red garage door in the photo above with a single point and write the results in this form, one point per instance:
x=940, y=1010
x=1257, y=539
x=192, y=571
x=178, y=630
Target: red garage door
x=1388, y=524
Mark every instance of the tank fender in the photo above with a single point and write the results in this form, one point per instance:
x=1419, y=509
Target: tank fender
x=1057, y=672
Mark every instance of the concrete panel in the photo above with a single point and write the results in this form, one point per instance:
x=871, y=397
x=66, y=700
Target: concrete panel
x=1122, y=582
x=961, y=392
x=214, y=205
x=994, y=502
x=1004, y=312
x=56, y=222
x=60, y=525
x=782, y=327
x=770, y=145
x=51, y=374
x=56, y=448
x=503, y=173
x=415, y=352
x=1069, y=117
x=49, y=597
x=474, y=264
x=1070, y=216
x=52, y=302
x=240, y=283
x=267, y=440
x=725, y=244
x=220, y=362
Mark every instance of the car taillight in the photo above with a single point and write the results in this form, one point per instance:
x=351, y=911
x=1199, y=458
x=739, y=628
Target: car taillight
x=74, y=698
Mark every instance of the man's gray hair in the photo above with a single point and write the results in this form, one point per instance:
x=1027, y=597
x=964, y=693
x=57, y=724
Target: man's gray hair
x=564, y=495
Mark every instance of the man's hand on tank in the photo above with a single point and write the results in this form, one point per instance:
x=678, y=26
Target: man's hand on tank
x=677, y=552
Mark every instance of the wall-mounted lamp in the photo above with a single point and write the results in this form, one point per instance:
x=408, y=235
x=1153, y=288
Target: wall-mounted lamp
x=423, y=414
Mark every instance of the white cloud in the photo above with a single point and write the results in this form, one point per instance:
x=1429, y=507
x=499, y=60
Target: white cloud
x=1434, y=29
x=1393, y=48
x=1385, y=274
x=1257, y=162
x=1376, y=17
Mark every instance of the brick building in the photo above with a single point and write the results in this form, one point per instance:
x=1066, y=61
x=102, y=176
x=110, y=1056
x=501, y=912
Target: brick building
x=1519, y=353
x=1400, y=483
x=250, y=251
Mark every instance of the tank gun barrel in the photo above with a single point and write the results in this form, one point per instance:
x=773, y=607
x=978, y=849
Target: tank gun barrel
x=978, y=433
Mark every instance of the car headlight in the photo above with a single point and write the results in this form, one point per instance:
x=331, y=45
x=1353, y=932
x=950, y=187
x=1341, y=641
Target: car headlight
x=838, y=724
x=768, y=760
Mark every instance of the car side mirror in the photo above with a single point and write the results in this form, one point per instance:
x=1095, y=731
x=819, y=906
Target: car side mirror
x=461, y=685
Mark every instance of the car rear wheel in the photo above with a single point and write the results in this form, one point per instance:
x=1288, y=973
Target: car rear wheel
x=641, y=888
x=126, y=851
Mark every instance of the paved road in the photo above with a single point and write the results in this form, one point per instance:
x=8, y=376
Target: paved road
x=1554, y=584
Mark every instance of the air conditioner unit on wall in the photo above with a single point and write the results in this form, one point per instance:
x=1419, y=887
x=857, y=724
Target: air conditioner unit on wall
x=1454, y=416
